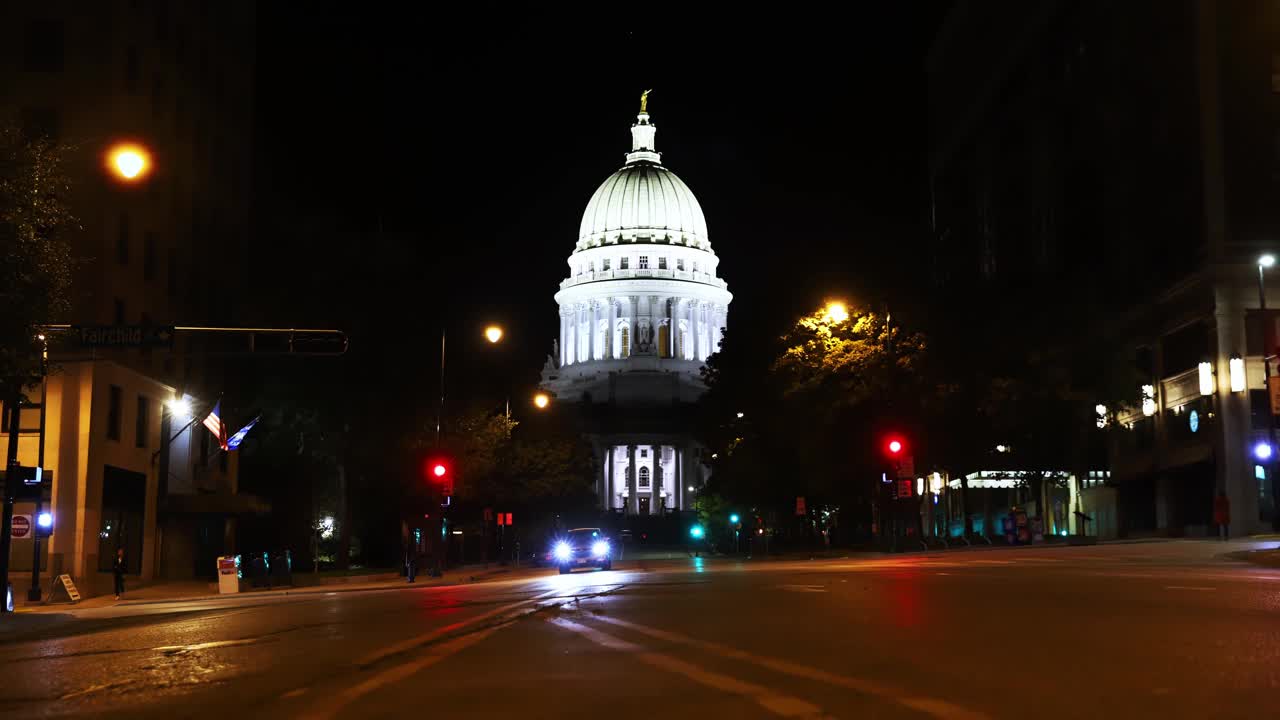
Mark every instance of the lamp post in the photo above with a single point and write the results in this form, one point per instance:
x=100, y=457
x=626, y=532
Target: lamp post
x=33, y=594
x=1264, y=262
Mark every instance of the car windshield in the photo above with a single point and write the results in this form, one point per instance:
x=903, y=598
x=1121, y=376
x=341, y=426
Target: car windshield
x=584, y=535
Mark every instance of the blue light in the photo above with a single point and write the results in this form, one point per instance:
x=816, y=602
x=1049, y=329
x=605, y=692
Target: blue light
x=45, y=519
x=696, y=532
x=734, y=518
x=1262, y=451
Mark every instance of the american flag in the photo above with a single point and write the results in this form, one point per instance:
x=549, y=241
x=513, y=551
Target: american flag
x=216, y=426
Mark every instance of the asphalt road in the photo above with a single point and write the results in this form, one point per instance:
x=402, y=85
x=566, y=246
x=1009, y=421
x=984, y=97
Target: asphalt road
x=1164, y=630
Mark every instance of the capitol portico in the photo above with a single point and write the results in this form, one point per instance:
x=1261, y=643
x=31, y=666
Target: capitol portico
x=640, y=312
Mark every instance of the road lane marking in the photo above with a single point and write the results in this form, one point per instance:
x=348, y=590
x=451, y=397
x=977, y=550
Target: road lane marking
x=184, y=649
x=930, y=706
x=332, y=706
x=1187, y=587
x=803, y=588
x=96, y=688
x=439, y=632
x=771, y=700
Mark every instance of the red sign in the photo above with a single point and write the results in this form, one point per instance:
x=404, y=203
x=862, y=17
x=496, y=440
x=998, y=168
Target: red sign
x=504, y=519
x=21, y=526
x=226, y=566
x=905, y=487
x=800, y=505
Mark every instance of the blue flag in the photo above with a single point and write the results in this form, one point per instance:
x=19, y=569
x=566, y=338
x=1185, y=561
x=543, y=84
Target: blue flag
x=234, y=441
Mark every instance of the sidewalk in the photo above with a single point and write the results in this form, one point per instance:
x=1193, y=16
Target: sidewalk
x=188, y=590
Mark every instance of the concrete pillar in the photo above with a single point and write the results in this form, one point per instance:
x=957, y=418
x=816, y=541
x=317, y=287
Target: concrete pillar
x=608, y=478
x=561, y=338
x=672, y=327
x=680, y=478
x=611, y=346
x=1235, y=465
x=633, y=476
x=571, y=340
x=593, y=352
x=695, y=312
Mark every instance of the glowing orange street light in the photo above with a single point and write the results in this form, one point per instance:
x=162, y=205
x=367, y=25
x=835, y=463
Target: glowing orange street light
x=541, y=400
x=129, y=162
x=493, y=333
x=835, y=312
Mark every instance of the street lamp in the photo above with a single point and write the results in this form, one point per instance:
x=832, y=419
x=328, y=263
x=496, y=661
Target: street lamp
x=129, y=161
x=493, y=334
x=835, y=313
x=1265, y=261
x=541, y=401
x=179, y=408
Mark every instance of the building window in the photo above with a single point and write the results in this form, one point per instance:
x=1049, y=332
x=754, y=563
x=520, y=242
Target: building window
x=644, y=477
x=591, y=266
x=662, y=263
x=149, y=256
x=118, y=315
x=604, y=264
x=131, y=70
x=122, y=240
x=114, y=398
x=624, y=342
x=644, y=452
x=140, y=422
x=695, y=266
x=624, y=263
x=44, y=49
x=644, y=262
x=680, y=264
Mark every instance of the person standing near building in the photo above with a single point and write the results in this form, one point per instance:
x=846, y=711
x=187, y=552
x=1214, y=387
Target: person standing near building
x=1222, y=514
x=118, y=569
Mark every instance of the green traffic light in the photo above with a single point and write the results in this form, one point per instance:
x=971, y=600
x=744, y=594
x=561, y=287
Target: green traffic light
x=695, y=531
x=734, y=518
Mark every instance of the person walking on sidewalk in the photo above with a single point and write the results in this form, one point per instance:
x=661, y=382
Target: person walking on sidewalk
x=1222, y=514
x=118, y=569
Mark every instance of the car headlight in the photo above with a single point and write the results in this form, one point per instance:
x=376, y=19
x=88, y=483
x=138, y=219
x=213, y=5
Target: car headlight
x=600, y=548
x=562, y=551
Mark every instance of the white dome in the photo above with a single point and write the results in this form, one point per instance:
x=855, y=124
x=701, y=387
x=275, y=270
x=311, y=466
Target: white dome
x=643, y=202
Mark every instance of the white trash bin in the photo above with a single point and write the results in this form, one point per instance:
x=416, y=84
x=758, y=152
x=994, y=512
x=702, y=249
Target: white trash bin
x=228, y=574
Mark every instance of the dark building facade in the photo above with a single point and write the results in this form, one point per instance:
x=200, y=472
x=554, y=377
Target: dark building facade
x=177, y=80
x=1110, y=169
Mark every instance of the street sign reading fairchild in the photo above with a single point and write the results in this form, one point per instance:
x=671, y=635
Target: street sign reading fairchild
x=124, y=335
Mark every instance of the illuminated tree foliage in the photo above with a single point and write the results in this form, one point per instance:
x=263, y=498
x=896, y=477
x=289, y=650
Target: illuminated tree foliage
x=36, y=263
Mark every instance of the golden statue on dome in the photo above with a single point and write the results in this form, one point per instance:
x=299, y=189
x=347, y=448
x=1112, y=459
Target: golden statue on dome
x=644, y=102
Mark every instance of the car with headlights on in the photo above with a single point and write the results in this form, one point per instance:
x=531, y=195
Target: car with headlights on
x=582, y=547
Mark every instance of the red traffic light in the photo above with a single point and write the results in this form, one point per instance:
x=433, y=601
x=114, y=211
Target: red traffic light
x=439, y=470
x=894, y=447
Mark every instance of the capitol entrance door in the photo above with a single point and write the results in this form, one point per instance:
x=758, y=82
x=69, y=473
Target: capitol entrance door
x=644, y=506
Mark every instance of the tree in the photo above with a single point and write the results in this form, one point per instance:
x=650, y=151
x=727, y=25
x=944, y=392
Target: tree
x=36, y=262
x=813, y=407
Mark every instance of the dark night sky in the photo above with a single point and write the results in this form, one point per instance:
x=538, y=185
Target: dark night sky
x=477, y=147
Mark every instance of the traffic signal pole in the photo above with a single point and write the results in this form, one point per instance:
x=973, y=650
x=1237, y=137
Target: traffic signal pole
x=14, y=407
x=33, y=594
